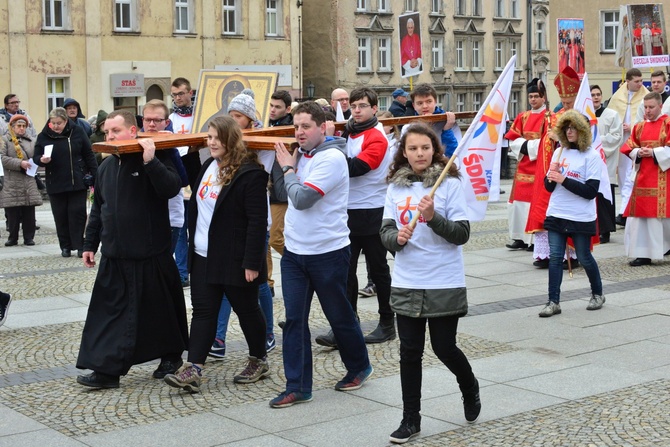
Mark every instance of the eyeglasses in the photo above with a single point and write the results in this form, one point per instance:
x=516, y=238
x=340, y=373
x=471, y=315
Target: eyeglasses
x=360, y=106
x=571, y=129
x=14, y=102
x=153, y=120
x=178, y=94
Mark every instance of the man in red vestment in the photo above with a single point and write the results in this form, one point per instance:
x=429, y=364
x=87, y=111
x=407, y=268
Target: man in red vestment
x=647, y=233
x=524, y=137
x=567, y=83
x=656, y=40
x=637, y=40
x=410, y=51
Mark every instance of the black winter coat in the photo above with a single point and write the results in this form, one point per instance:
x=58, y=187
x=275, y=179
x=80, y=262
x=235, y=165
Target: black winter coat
x=71, y=158
x=238, y=227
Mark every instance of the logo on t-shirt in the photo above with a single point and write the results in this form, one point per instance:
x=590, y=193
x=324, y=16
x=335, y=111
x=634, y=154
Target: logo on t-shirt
x=207, y=186
x=406, y=212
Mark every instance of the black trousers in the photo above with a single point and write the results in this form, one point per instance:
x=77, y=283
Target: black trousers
x=69, y=210
x=412, y=333
x=378, y=272
x=206, y=300
x=21, y=216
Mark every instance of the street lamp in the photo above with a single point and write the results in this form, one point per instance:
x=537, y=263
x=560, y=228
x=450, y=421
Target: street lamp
x=310, y=90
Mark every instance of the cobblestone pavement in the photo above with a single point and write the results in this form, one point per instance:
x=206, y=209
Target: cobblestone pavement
x=37, y=362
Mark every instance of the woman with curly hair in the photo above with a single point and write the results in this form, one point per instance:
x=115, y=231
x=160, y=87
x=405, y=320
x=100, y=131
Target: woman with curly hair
x=427, y=292
x=573, y=181
x=227, y=228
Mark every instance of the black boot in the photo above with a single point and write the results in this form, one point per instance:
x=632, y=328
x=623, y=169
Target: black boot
x=327, y=340
x=472, y=405
x=409, y=428
x=384, y=331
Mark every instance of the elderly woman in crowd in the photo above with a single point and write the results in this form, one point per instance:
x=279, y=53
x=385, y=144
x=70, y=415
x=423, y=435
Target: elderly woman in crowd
x=65, y=150
x=19, y=195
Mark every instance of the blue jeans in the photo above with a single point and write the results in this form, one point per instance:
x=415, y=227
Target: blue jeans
x=557, y=242
x=181, y=249
x=325, y=274
x=264, y=299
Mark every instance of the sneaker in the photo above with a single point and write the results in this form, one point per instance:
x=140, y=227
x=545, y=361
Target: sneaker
x=472, y=405
x=550, y=309
x=286, y=399
x=368, y=291
x=596, y=302
x=188, y=378
x=4, y=307
x=410, y=427
x=270, y=342
x=352, y=382
x=218, y=349
x=255, y=370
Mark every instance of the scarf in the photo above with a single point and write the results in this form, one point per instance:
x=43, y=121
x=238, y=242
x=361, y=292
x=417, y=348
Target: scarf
x=354, y=128
x=19, y=151
x=182, y=111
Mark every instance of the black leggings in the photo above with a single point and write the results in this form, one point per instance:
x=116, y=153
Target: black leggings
x=206, y=300
x=412, y=333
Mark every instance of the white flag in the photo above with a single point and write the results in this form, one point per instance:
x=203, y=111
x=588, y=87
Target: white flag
x=479, y=150
x=339, y=115
x=584, y=105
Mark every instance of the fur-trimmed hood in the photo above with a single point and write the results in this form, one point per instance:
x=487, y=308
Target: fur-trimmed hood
x=575, y=119
x=405, y=176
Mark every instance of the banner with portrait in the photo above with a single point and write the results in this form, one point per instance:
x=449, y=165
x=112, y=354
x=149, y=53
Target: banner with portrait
x=411, y=59
x=571, y=45
x=217, y=88
x=644, y=37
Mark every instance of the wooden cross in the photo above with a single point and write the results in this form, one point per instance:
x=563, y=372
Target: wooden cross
x=261, y=139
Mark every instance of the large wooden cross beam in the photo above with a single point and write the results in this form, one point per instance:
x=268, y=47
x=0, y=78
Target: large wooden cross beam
x=262, y=139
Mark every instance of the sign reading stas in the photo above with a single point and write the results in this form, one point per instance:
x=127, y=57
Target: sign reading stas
x=127, y=85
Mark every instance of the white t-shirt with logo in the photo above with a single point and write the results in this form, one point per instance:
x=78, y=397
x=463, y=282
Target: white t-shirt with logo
x=367, y=191
x=580, y=166
x=321, y=228
x=205, y=198
x=427, y=261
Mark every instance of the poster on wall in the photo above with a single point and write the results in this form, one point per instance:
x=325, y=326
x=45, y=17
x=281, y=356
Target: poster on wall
x=644, y=42
x=411, y=60
x=571, y=45
x=217, y=88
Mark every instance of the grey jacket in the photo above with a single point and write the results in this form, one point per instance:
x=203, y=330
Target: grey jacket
x=19, y=189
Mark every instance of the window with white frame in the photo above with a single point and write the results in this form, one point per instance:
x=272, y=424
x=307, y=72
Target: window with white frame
x=57, y=91
x=460, y=53
x=384, y=49
x=476, y=54
x=437, y=51
x=410, y=5
x=476, y=100
x=476, y=7
x=499, y=54
x=273, y=18
x=184, y=19
x=539, y=35
x=514, y=9
x=499, y=8
x=56, y=14
x=125, y=15
x=436, y=6
x=364, y=54
x=514, y=104
x=383, y=5
x=610, y=31
x=361, y=5
x=232, y=16
x=382, y=103
x=514, y=50
x=460, y=102
x=460, y=7
x=441, y=101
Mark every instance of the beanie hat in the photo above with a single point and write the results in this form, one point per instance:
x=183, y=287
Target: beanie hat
x=244, y=103
x=18, y=117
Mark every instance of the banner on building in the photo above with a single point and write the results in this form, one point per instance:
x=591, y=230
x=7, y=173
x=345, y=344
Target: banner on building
x=642, y=37
x=571, y=45
x=411, y=59
x=217, y=88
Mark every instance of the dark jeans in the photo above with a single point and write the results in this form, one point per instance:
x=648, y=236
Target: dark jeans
x=206, y=301
x=412, y=333
x=325, y=274
x=582, y=241
x=21, y=216
x=378, y=272
x=69, y=211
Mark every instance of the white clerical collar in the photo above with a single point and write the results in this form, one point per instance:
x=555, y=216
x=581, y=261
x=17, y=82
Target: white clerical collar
x=540, y=110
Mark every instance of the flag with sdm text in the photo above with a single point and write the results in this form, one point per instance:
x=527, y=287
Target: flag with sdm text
x=479, y=150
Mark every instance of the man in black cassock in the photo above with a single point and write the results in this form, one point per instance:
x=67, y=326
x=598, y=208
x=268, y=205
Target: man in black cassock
x=137, y=311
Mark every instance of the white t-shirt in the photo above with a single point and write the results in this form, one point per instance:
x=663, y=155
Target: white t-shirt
x=181, y=125
x=205, y=199
x=367, y=191
x=580, y=166
x=321, y=228
x=428, y=261
x=267, y=159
